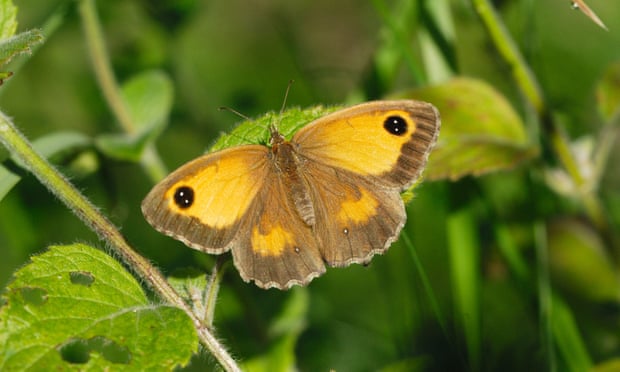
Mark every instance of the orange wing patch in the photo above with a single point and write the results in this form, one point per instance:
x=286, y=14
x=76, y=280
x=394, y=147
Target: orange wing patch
x=273, y=242
x=277, y=249
x=357, y=210
x=354, y=219
x=224, y=189
x=355, y=141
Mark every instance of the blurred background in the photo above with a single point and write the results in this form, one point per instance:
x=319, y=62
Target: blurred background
x=242, y=54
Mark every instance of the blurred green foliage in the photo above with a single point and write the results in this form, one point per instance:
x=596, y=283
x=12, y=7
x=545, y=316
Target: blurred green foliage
x=514, y=273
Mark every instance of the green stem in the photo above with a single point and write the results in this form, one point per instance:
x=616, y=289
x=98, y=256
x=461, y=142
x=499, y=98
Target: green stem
x=509, y=51
x=544, y=294
x=212, y=289
x=151, y=161
x=426, y=283
x=528, y=84
x=397, y=26
x=103, y=70
x=20, y=148
x=464, y=254
x=105, y=76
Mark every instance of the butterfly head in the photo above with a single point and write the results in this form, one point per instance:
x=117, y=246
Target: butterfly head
x=276, y=137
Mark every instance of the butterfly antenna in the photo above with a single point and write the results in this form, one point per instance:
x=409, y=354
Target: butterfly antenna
x=288, y=89
x=229, y=109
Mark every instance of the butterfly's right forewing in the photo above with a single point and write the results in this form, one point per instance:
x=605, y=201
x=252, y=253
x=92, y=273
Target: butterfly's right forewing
x=204, y=202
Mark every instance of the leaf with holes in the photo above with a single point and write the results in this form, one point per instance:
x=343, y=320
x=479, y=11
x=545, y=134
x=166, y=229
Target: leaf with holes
x=74, y=307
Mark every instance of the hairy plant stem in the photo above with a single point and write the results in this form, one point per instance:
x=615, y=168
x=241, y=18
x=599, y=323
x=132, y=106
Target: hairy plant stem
x=21, y=149
x=530, y=88
x=151, y=161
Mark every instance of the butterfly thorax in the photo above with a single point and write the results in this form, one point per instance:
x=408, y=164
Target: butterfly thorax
x=287, y=164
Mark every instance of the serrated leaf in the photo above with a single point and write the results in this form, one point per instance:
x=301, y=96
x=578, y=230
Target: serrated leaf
x=480, y=131
x=256, y=131
x=18, y=44
x=74, y=307
x=608, y=91
x=579, y=264
x=8, y=19
x=149, y=98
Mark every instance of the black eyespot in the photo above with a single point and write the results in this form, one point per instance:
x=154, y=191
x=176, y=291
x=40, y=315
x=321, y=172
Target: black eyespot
x=184, y=197
x=395, y=125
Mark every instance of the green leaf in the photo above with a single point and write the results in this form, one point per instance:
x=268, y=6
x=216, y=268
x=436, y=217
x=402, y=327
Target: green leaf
x=149, y=97
x=567, y=336
x=257, y=130
x=464, y=248
x=121, y=146
x=18, y=44
x=480, y=132
x=59, y=143
x=5, y=75
x=74, y=307
x=608, y=91
x=8, y=19
x=190, y=284
x=49, y=146
x=579, y=263
x=8, y=179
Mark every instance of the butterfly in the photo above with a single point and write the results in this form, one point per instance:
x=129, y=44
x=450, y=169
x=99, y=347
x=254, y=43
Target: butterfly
x=329, y=195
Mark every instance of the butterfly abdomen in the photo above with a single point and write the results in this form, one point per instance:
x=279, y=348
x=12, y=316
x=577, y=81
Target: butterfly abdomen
x=287, y=164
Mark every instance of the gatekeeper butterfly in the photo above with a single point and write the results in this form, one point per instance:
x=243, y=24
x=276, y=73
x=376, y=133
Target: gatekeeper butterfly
x=329, y=195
